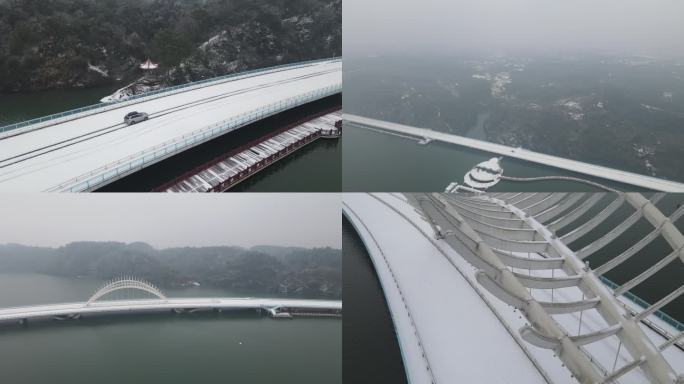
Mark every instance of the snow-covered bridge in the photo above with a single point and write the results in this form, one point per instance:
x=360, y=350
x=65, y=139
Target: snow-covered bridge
x=593, y=170
x=482, y=290
x=95, y=306
x=85, y=149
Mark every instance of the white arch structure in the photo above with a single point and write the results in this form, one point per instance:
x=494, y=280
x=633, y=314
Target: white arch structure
x=126, y=283
x=512, y=240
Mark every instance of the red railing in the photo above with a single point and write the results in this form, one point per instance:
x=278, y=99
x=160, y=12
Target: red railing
x=226, y=184
x=225, y=156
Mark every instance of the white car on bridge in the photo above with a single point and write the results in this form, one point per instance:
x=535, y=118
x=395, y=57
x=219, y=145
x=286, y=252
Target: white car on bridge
x=135, y=117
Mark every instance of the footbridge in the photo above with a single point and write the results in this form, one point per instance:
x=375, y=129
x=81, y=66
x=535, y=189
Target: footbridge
x=97, y=305
x=88, y=148
x=486, y=287
x=426, y=135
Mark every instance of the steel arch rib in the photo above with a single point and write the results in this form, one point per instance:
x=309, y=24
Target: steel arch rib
x=559, y=208
x=594, y=221
x=502, y=283
x=544, y=203
x=578, y=211
x=512, y=287
x=126, y=283
x=631, y=335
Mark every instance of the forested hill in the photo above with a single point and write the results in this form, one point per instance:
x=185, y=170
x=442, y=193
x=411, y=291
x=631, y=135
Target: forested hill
x=79, y=43
x=308, y=272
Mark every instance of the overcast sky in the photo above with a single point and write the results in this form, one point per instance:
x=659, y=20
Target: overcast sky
x=635, y=26
x=308, y=220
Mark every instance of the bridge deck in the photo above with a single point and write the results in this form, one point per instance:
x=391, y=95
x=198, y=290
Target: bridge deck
x=68, y=154
x=126, y=306
x=434, y=310
x=468, y=334
x=602, y=172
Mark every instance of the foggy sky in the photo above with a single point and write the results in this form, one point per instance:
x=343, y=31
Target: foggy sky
x=243, y=219
x=649, y=27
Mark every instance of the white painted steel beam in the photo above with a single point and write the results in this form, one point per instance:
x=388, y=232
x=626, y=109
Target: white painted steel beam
x=649, y=272
x=505, y=285
x=594, y=221
x=559, y=208
x=576, y=213
x=487, y=250
x=661, y=303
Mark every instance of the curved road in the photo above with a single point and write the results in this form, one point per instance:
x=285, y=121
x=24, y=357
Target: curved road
x=446, y=332
x=448, y=327
x=51, y=156
x=599, y=171
x=130, y=306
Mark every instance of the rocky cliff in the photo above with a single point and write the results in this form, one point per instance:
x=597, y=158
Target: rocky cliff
x=81, y=43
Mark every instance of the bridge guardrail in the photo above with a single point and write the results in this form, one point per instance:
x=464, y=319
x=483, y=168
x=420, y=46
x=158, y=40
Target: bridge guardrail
x=101, y=107
x=679, y=326
x=96, y=178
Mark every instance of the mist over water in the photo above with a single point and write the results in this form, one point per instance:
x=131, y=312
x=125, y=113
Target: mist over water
x=511, y=27
x=166, y=221
x=601, y=82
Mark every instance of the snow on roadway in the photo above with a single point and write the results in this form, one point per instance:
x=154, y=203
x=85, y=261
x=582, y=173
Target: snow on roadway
x=493, y=355
x=53, y=168
x=15, y=313
x=463, y=340
x=599, y=171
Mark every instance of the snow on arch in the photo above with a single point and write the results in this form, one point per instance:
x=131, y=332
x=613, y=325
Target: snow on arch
x=126, y=283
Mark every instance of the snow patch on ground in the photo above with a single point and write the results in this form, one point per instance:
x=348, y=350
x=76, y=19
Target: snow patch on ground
x=99, y=70
x=131, y=89
x=212, y=41
x=498, y=82
x=572, y=108
x=299, y=20
x=652, y=108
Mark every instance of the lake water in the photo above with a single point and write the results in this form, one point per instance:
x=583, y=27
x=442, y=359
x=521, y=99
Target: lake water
x=371, y=352
x=17, y=107
x=188, y=348
x=380, y=162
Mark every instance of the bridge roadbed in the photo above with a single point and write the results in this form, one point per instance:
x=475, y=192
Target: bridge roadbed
x=93, y=150
x=455, y=317
x=625, y=177
x=446, y=333
x=49, y=311
x=227, y=171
